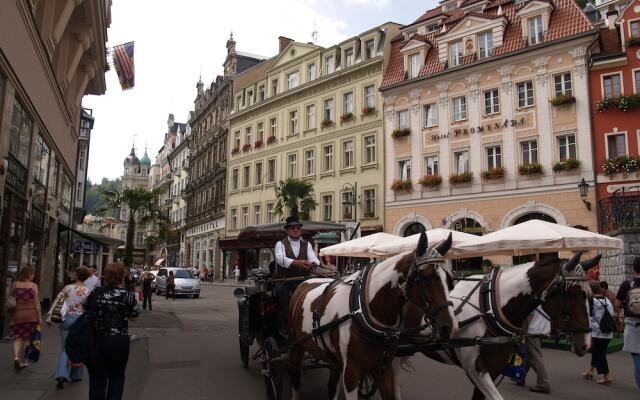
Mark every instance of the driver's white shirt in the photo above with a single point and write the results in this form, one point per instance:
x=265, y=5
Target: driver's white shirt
x=285, y=262
x=539, y=323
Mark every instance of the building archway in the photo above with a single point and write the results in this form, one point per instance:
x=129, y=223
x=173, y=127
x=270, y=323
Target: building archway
x=414, y=228
x=403, y=224
x=529, y=208
x=471, y=226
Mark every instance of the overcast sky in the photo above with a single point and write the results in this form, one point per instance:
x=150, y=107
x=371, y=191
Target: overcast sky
x=176, y=41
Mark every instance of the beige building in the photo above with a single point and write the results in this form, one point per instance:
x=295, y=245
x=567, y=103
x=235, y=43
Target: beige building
x=312, y=113
x=179, y=160
x=487, y=118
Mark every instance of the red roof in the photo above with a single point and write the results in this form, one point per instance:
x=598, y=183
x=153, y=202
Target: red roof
x=566, y=20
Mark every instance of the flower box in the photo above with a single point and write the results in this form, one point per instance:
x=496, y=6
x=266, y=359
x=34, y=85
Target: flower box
x=235, y=150
x=346, y=117
x=567, y=165
x=400, y=185
x=633, y=41
x=368, y=110
x=623, y=165
x=326, y=123
x=622, y=103
x=464, y=177
x=493, y=173
x=257, y=144
x=271, y=139
x=369, y=214
x=562, y=99
x=246, y=147
x=530, y=169
x=430, y=181
x=401, y=132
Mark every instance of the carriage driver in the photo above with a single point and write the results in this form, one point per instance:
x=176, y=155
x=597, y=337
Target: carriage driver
x=294, y=258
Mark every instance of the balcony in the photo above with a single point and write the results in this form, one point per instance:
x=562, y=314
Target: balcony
x=621, y=210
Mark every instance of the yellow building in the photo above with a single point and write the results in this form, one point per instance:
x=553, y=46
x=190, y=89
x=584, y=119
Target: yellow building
x=312, y=113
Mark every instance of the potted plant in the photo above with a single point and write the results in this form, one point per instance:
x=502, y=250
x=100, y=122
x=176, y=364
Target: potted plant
x=257, y=144
x=624, y=165
x=530, y=169
x=400, y=185
x=464, y=177
x=633, y=41
x=569, y=164
x=246, y=147
x=326, y=123
x=493, y=173
x=235, y=150
x=271, y=139
x=346, y=117
x=368, y=110
x=562, y=99
x=622, y=103
x=400, y=132
x=430, y=181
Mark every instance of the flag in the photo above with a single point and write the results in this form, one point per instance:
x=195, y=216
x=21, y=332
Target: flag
x=123, y=61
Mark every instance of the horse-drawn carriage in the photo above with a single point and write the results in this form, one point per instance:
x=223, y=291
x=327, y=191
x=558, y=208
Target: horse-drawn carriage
x=363, y=326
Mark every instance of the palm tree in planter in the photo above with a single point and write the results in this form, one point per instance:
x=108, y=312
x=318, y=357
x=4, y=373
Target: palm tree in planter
x=296, y=195
x=143, y=209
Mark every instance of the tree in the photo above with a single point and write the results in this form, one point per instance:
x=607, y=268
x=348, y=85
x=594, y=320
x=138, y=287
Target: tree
x=143, y=208
x=297, y=196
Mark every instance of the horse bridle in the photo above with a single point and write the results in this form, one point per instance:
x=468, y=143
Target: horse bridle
x=562, y=286
x=415, y=277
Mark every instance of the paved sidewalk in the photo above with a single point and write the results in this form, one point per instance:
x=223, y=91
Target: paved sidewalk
x=228, y=283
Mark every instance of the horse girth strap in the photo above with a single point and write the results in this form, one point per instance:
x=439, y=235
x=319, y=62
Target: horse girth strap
x=490, y=306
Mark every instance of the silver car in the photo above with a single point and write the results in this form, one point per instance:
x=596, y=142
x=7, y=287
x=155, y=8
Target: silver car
x=186, y=283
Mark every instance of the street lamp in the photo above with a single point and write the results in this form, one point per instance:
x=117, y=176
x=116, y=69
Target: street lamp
x=583, y=186
x=352, y=201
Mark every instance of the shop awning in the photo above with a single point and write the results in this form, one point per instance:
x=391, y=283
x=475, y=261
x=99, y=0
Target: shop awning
x=160, y=261
x=102, y=239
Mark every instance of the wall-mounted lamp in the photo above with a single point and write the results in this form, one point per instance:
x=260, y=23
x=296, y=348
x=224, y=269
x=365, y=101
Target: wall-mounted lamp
x=584, y=188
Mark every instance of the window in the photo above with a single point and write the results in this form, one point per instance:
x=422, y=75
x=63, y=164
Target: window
x=311, y=116
x=271, y=170
x=485, y=44
x=258, y=174
x=369, y=96
x=293, y=80
x=348, y=103
x=41, y=162
x=403, y=119
x=79, y=192
x=369, y=203
x=246, y=177
x=611, y=85
x=461, y=159
x=292, y=162
x=261, y=91
x=459, y=108
x=245, y=217
x=311, y=72
x=234, y=179
x=430, y=115
x=566, y=147
x=369, y=149
x=53, y=183
x=404, y=169
x=535, y=30
x=525, y=94
x=234, y=218
x=293, y=122
x=347, y=154
x=328, y=110
x=327, y=158
x=248, y=136
x=616, y=145
x=309, y=162
x=456, y=53
x=260, y=131
x=274, y=87
x=634, y=28
x=491, y=102
x=563, y=84
x=431, y=165
x=329, y=64
x=20, y=134
x=269, y=213
x=494, y=157
x=348, y=55
x=236, y=140
x=414, y=65
x=529, y=152
x=274, y=127
x=369, y=49
x=347, y=205
x=636, y=75
x=327, y=207
x=256, y=214
x=80, y=159
x=250, y=97
x=238, y=105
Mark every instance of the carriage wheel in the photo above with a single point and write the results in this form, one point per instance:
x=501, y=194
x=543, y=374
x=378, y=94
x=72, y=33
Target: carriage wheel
x=244, y=352
x=271, y=370
x=367, y=387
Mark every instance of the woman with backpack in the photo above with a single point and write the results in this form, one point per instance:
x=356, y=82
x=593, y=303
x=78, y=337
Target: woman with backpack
x=602, y=327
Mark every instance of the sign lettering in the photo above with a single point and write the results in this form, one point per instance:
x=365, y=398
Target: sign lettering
x=491, y=127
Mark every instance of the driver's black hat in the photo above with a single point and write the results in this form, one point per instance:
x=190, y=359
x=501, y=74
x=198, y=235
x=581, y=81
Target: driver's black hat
x=292, y=221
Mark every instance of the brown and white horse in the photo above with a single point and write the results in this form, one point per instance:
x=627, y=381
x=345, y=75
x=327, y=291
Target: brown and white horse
x=354, y=350
x=519, y=291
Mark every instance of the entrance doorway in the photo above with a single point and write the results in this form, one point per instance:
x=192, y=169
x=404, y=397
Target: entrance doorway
x=470, y=226
x=517, y=260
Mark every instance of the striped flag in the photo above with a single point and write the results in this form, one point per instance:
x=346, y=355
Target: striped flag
x=123, y=61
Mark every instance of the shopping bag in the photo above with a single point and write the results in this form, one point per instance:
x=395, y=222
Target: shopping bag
x=32, y=351
x=516, y=368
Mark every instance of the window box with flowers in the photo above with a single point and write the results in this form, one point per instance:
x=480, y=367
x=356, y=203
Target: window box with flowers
x=400, y=185
x=369, y=214
x=530, y=169
x=400, y=132
x=368, y=111
x=633, y=41
x=346, y=117
x=430, y=181
x=621, y=165
x=570, y=164
x=257, y=144
x=562, y=99
x=246, y=147
x=465, y=177
x=622, y=103
x=271, y=139
x=235, y=150
x=326, y=123
x=493, y=173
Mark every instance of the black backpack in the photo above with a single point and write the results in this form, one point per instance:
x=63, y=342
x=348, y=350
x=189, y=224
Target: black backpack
x=607, y=324
x=81, y=338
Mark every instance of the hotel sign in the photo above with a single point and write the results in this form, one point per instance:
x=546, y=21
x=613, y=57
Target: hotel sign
x=494, y=126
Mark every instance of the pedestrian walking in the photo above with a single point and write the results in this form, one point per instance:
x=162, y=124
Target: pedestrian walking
x=171, y=286
x=27, y=314
x=539, y=324
x=112, y=307
x=93, y=280
x=210, y=275
x=236, y=272
x=130, y=281
x=628, y=299
x=146, y=289
x=599, y=339
x=73, y=297
x=607, y=292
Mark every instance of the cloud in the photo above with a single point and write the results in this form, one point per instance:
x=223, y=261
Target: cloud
x=376, y=3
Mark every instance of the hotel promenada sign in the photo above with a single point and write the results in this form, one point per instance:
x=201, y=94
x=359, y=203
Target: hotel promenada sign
x=494, y=126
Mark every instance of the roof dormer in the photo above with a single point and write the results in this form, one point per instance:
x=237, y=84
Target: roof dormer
x=414, y=53
x=534, y=20
x=450, y=5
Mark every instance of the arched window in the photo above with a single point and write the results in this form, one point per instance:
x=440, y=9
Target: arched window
x=532, y=257
x=473, y=227
x=414, y=228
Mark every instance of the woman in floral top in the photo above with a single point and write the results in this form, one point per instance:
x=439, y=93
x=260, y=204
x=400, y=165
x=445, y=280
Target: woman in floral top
x=73, y=296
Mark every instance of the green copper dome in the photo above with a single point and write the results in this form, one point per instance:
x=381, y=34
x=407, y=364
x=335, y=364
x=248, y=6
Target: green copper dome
x=145, y=159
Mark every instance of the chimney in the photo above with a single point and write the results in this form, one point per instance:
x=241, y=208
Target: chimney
x=283, y=42
x=611, y=19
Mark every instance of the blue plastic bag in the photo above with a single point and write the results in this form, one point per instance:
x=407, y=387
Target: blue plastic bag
x=516, y=369
x=32, y=351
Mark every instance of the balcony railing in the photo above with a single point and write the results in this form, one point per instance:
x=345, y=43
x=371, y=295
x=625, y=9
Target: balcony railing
x=621, y=210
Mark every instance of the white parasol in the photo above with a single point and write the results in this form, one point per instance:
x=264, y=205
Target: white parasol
x=358, y=247
x=536, y=236
x=434, y=236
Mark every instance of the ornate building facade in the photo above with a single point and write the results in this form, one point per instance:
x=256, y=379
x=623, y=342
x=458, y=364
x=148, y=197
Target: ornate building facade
x=205, y=193
x=179, y=160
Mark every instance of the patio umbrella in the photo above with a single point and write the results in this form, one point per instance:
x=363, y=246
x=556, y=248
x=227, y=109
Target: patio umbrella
x=409, y=243
x=358, y=247
x=536, y=236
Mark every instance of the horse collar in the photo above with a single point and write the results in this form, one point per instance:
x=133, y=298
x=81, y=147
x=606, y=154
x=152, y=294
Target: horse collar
x=490, y=307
